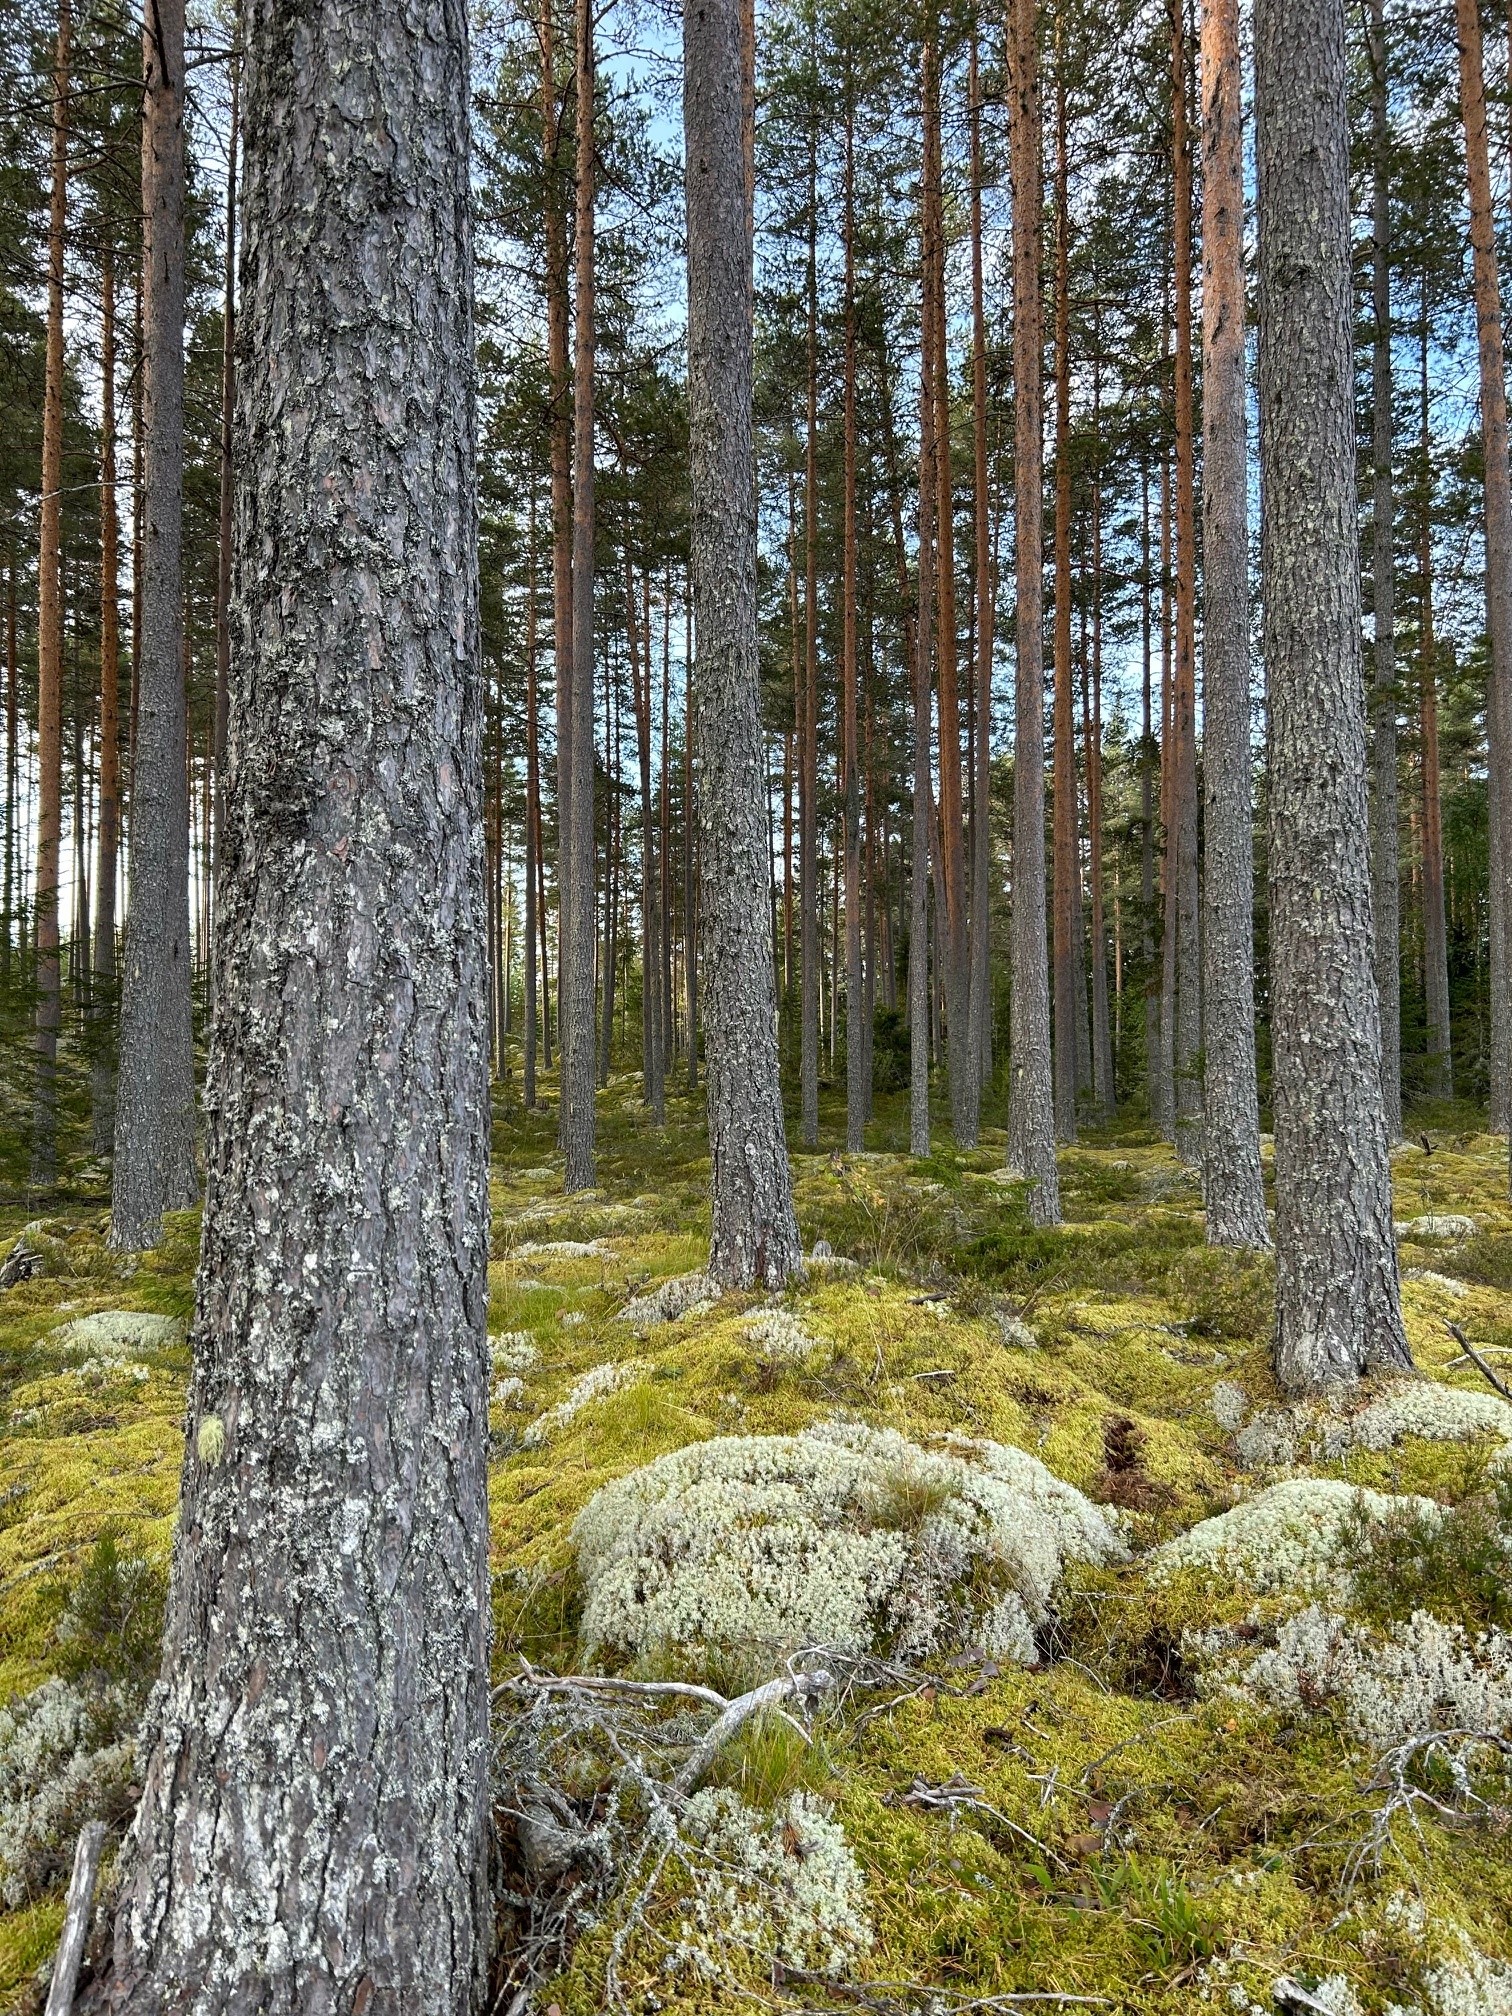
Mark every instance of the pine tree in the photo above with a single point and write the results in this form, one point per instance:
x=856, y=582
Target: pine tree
x=755, y=1234
x=1337, y=1299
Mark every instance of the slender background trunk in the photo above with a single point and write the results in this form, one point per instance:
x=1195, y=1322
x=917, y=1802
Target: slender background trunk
x=1232, y=1181
x=1031, y=1108
x=755, y=1234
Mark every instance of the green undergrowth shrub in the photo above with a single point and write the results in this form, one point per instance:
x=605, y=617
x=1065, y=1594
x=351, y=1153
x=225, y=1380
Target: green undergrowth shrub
x=1455, y=1565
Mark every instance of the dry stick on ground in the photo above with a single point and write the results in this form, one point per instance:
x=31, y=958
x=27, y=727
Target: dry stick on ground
x=1452, y=1748
x=1475, y=1357
x=81, y=1887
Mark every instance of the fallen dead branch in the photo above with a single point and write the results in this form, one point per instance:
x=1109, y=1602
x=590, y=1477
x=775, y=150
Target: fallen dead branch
x=1458, y=1753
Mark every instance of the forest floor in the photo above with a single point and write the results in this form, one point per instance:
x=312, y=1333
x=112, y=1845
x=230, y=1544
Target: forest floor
x=1133, y=1819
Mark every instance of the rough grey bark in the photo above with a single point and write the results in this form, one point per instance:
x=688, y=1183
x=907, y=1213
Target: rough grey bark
x=313, y=1823
x=577, y=1023
x=1338, y=1307
x=1384, y=873
x=1498, y=479
x=755, y=1237
x=153, y=1169
x=981, y=821
x=1031, y=1110
x=1184, y=910
x=923, y=807
x=1232, y=1182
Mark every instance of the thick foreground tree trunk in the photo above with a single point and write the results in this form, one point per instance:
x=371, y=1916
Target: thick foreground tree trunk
x=1031, y=1106
x=1337, y=1299
x=313, y=1824
x=755, y=1232
x=153, y=1168
x=1235, y=1192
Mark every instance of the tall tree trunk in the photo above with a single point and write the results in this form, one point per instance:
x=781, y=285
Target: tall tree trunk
x=981, y=818
x=612, y=858
x=1337, y=1299
x=1187, y=1028
x=690, y=865
x=1384, y=874
x=560, y=433
x=228, y=400
x=755, y=1233
x=576, y=991
x=653, y=1077
x=12, y=779
x=1064, y=812
x=1031, y=1106
x=1439, y=1075
x=325, y=1683
x=664, y=857
x=1498, y=480
x=923, y=808
x=153, y=1167
x=532, y=812
x=1102, y=1039
x=1232, y=1181
x=108, y=834
x=1163, y=1085
x=951, y=946
x=44, y=1162
x=808, y=761
x=855, y=1005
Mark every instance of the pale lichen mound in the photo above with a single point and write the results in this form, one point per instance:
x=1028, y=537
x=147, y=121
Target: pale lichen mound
x=596, y=1384
x=118, y=1333
x=783, y=1886
x=1385, y=1686
x=1469, y=1986
x=670, y=1302
x=1429, y=1412
x=67, y=1755
x=1285, y=1538
x=847, y=1537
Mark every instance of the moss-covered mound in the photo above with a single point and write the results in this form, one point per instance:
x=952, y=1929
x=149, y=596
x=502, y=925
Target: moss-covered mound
x=1128, y=1652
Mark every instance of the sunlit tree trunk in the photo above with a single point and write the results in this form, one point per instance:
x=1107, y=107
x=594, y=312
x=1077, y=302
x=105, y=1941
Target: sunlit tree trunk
x=755, y=1232
x=1232, y=1183
x=1031, y=1106
x=1337, y=1299
x=923, y=808
x=314, y=1819
x=1103, y=1088
x=855, y=993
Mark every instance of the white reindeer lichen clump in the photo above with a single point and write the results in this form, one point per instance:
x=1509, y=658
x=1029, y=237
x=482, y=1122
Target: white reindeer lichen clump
x=595, y=1384
x=844, y=1536
x=1286, y=1538
x=1385, y=1686
x=66, y=1756
x=783, y=1886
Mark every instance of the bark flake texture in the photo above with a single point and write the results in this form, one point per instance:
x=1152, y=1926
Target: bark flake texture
x=313, y=1823
x=1337, y=1299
